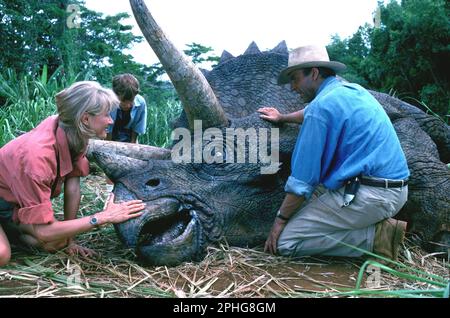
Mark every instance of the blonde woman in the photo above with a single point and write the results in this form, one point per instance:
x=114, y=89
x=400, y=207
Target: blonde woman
x=34, y=166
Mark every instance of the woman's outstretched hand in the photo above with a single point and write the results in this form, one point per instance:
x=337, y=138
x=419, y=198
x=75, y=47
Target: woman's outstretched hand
x=120, y=212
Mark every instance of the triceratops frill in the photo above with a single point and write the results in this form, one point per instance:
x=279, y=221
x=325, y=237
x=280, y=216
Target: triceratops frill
x=191, y=205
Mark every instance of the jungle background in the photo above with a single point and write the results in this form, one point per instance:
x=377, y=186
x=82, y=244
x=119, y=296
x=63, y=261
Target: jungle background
x=406, y=54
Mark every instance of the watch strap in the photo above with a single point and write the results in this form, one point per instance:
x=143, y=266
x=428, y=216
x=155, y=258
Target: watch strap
x=281, y=216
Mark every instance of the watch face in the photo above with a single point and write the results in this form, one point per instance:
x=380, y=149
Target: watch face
x=93, y=221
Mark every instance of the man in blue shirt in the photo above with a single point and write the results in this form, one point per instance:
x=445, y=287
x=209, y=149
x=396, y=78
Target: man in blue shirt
x=130, y=119
x=347, y=144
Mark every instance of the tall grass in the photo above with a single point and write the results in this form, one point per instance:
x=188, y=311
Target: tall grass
x=160, y=115
x=29, y=101
x=23, y=116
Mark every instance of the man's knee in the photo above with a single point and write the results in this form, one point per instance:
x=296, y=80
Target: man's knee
x=286, y=248
x=5, y=255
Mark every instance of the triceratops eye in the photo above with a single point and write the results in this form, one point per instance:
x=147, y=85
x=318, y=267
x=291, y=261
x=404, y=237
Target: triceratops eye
x=153, y=182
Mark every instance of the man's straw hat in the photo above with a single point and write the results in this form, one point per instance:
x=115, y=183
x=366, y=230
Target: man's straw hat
x=305, y=57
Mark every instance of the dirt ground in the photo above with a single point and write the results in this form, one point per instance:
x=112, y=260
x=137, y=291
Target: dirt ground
x=230, y=276
x=225, y=272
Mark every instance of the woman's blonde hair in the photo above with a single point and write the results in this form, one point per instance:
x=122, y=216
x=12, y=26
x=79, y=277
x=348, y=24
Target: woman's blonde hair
x=73, y=102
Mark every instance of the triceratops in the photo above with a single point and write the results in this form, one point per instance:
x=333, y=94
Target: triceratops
x=191, y=205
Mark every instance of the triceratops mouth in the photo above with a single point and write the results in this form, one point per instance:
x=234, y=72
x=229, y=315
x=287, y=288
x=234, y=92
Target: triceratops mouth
x=168, y=232
x=168, y=229
x=171, y=239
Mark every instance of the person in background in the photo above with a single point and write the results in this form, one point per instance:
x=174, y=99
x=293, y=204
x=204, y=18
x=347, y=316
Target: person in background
x=130, y=119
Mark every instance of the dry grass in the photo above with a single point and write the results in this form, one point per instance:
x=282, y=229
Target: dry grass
x=225, y=272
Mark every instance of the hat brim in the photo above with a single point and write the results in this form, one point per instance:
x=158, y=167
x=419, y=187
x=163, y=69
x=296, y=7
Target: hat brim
x=285, y=75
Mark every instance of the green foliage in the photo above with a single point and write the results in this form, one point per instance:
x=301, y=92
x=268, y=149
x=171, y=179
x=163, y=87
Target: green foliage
x=23, y=117
x=409, y=52
x=37, y=34
x=352, y=52
x=29, y=101
x=101, y=44
x=197, y=52
x=31, y=31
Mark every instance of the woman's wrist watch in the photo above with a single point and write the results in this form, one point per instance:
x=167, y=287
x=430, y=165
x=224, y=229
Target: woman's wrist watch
x=94, y=221
x=281, y=216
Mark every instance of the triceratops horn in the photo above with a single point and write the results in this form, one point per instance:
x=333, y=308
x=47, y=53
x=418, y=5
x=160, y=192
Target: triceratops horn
x=135, y=151
x=199, y=100
x=116, y=166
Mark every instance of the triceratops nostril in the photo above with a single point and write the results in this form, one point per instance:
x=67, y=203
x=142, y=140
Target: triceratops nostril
x=153, y=182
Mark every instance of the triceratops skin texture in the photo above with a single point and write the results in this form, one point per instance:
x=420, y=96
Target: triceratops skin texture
x=189, y=206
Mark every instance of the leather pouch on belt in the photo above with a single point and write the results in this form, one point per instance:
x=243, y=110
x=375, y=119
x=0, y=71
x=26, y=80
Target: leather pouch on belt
x=351, y=188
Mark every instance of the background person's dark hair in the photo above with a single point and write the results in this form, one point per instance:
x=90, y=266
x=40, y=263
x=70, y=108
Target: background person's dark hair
x=323, y=71
x=126, y=86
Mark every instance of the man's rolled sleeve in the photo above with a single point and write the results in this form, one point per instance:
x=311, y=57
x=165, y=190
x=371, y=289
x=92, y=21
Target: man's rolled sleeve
x=299, y=188
x=307, y=157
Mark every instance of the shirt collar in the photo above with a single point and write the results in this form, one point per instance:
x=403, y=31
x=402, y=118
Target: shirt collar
x=327, y=82
x=137, y=101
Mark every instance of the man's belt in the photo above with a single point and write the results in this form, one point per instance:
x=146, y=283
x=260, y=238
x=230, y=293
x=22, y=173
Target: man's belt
x=383, y=183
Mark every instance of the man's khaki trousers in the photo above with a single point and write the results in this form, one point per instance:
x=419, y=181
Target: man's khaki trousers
x=322, y=223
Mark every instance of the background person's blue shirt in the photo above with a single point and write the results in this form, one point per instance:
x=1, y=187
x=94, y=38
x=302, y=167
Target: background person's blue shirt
x=137, y=123
x=345, y=133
